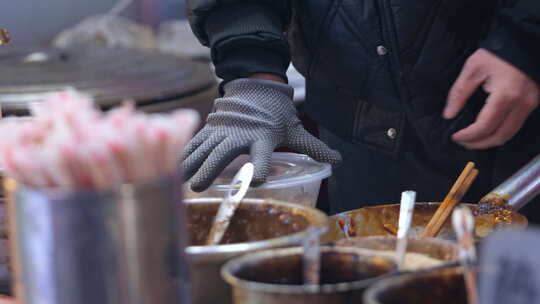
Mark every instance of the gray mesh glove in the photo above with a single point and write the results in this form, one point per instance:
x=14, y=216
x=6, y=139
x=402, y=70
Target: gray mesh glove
x=254, y=116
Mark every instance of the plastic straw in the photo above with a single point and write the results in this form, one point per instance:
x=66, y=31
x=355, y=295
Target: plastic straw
x=70, y=144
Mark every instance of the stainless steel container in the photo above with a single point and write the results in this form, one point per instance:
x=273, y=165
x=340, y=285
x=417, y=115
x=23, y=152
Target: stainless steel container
x=275, y=276
x=383, y=220
x=440, y=287
x=254, y=233
x=123, y=246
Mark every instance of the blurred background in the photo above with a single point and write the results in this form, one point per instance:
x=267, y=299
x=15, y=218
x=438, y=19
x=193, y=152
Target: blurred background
x=159, y=27
x=38, y=21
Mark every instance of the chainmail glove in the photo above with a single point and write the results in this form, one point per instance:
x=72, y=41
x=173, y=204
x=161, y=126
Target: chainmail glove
x=254, y=116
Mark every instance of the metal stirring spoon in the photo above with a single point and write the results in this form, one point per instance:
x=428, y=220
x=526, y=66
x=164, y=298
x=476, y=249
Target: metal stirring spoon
x=406, y=209
x=311, y=259
x=463, y=223
x=240, y=184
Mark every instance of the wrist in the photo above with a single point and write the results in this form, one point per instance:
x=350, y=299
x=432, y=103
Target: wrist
x=266, y=76
x=259, y=85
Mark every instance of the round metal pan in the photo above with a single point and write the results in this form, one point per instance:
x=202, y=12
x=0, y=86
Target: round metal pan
x=383, y=220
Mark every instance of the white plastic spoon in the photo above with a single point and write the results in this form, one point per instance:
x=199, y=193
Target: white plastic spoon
x=240, y=183
x=406, y=210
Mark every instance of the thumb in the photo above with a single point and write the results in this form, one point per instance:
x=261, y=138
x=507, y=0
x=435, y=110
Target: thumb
x=303, y=142
x=261, y=156
x=470, y=79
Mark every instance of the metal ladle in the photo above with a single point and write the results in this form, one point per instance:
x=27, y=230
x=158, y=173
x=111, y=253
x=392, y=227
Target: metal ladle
x=240, y=184
x=520, y=188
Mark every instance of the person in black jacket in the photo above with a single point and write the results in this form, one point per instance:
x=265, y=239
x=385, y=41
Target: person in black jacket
x=406, y=91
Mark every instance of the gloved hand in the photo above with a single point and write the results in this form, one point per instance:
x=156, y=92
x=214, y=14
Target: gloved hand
x=254, y=116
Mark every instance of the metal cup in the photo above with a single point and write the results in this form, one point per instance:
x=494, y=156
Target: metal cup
x=275, y=276
x=278, y=218
x=123, y=246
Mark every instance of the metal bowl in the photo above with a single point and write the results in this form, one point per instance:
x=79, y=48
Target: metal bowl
x=441, y=287
x=275, y=276
x=383, y=220
x=257, y=225
x=445, y=251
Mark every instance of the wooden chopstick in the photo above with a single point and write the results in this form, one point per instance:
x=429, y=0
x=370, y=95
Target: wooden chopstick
x=458, y=190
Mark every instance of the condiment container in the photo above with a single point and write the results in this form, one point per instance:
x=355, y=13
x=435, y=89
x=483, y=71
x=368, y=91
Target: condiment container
x=257, y=225
x=383, y=220
x=294, y=178
x=275, y=276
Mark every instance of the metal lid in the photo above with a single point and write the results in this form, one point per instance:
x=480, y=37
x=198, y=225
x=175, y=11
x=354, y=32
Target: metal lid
x=108, y=74
x=288, y=170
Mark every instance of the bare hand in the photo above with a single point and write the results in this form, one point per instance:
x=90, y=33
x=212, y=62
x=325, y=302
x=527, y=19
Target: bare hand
x=512, y=97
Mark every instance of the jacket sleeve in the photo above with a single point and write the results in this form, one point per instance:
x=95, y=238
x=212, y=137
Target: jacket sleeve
x=245, y=36
x=515, y=35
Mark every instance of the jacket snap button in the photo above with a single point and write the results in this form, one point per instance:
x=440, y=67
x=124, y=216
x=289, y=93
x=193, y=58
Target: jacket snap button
x=391, y=133
x=381, y=50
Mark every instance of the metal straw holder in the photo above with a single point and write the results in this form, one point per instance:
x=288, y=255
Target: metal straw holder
x=123, y=246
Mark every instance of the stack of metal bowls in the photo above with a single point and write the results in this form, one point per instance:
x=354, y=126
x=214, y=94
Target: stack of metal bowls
x=257, y=225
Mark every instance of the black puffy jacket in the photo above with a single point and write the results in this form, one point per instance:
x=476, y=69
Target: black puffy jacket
x=372, y=65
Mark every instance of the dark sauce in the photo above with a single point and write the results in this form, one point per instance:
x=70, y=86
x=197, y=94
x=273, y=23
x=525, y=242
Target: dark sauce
x=440, y=289
x=251, y=222
x=335, y=268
